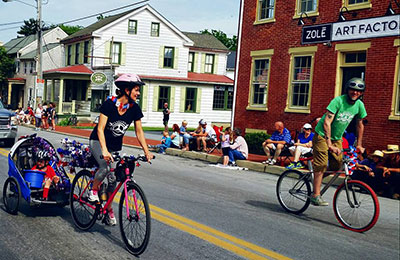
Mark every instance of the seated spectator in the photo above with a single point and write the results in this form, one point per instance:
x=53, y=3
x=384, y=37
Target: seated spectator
x=225, y=144
x=165, y=143
x=175, y=136
x=238, y=150
x=276, y=142
x=391, y=170
x=366, y=171
x=185, y=136
x=207, y=133
x=301, y=147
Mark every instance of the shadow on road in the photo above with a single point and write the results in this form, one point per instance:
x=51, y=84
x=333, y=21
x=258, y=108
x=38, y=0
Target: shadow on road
x=277, y=208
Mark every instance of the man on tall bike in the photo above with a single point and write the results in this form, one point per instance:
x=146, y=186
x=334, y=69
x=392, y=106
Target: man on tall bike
x=116, y=114
x=327, y=141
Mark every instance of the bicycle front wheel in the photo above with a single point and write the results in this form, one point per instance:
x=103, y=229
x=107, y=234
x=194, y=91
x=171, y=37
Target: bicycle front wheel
x=83, y=212
x=357, y=210
x=135, y=219
x=293, y=191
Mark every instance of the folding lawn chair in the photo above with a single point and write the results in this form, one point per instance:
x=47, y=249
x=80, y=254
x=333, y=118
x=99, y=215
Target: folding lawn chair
x=215, y=145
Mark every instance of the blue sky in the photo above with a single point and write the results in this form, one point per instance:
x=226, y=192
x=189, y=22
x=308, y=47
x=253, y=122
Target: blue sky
x=187, y=15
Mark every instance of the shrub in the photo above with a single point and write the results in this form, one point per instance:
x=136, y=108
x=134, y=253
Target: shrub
x=63, y=122
x=255, y=140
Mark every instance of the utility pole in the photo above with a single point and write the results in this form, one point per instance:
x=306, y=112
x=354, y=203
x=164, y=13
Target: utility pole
x=39, y=70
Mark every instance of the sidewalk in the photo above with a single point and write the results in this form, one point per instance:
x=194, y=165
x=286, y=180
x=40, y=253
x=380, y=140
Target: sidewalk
x=253, y=163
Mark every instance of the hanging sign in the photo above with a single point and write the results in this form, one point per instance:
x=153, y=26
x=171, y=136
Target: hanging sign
x=367, y=28
x=316, y=33
x=98, y=78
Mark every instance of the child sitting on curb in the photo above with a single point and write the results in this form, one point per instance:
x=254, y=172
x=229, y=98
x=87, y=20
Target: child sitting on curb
x=165, y=143
x=42, y=164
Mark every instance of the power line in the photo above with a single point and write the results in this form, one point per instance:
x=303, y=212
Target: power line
x=9, y=28
x=109, y=11
x=2, y=24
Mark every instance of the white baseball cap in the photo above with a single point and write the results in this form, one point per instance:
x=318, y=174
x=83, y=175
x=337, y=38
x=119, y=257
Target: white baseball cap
x=307, y=126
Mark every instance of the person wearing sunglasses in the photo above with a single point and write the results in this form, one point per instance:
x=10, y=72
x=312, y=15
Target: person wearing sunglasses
x=327, y=141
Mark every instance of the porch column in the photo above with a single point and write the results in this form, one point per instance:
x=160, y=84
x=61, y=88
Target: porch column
x=53, y=90
x=61, y=97
x=9, y=93
x=44, y=98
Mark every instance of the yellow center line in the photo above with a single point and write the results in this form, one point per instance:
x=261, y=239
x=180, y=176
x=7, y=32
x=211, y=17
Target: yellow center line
x=211, y=235
x=4, y=152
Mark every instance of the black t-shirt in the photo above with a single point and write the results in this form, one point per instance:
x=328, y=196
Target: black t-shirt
x=116, y=125
x=166, y=114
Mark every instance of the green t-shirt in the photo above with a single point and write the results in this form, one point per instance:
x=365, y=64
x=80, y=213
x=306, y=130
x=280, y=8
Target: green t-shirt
x=344, y=113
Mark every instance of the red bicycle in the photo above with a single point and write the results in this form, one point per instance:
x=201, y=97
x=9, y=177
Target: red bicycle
x=134, y=211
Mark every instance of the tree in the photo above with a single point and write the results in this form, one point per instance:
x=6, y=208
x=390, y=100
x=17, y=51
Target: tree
x=67, y=28
x=6, y=66
x=230, y=43
x=30, y=27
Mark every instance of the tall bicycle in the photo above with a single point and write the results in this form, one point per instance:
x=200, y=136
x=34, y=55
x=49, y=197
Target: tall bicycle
x=134, y=211
x=355, y=204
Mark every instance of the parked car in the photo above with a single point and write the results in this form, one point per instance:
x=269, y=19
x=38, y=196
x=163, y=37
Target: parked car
x=8, y=130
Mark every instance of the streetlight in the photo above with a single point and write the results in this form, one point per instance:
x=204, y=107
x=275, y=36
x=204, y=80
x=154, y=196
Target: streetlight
x=39, y=72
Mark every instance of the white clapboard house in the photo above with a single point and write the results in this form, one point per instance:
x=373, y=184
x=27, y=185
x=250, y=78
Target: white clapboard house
x=187, y=70
x=20, y=88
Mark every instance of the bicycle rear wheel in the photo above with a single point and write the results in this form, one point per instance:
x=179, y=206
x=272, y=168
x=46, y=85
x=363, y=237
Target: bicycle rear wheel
x=135, y=228
x=83, y=213
x=293, y=191
x=359, y=211
x=11, y=195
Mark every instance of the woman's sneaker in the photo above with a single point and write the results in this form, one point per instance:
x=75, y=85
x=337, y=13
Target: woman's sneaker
x=93, y=196
x=110, y=219
x=318, y=201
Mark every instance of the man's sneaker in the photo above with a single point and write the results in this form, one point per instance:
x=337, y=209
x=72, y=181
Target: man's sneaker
x=291, y=166
x=110, y=219
x=318, y=201
x=272, y=162
x=93, y=196
x=299, y=165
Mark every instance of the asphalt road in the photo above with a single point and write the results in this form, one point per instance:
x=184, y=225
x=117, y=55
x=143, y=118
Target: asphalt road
x=199, y=212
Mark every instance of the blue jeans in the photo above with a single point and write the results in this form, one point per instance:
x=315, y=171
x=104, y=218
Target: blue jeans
x=186, y=138
x=235, y=155
x=162, y=148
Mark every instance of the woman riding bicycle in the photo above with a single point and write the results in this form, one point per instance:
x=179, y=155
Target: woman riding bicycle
x=116, y=114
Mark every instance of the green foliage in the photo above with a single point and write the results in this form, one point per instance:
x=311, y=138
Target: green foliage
x=6, y=65
x=31, y=27
x=68, y=29
x=254, y=142
x=230, y=43
x=63, y=122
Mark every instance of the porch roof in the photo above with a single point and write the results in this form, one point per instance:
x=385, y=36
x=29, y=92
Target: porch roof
x=77, y=69
x=195, y=77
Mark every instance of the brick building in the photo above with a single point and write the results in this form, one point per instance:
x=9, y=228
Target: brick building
x=296, y=55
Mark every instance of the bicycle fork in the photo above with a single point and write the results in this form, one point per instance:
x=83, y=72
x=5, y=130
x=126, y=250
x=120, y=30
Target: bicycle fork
x=127, y=200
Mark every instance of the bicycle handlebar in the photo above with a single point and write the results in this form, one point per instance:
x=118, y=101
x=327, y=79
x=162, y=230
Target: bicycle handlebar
x=117, y=157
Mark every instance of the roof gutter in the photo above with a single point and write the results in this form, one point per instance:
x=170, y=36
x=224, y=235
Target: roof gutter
x=237, y=62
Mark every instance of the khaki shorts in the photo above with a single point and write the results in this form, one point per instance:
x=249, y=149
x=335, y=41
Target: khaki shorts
x=322, y=156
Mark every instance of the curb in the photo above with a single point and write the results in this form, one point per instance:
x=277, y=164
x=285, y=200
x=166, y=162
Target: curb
x=253, y=166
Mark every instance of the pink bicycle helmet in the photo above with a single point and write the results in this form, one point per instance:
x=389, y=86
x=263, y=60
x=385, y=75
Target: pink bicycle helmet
x=128, y=80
